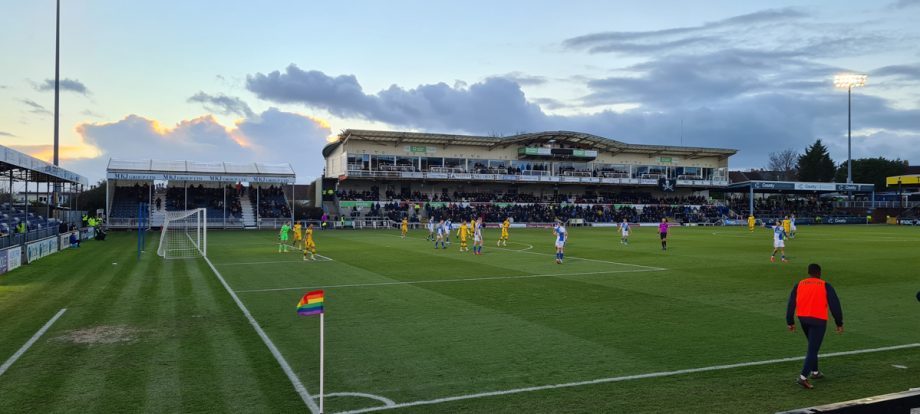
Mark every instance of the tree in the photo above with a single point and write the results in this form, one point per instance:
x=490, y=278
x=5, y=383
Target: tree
x=872, y=171
x=816, y=164
x=785, y=163
x=92, y=199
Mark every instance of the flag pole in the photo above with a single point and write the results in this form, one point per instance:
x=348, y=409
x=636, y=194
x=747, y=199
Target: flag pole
x=322, y=327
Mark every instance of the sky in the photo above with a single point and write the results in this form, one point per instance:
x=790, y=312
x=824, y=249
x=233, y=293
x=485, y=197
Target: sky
x=273, y=81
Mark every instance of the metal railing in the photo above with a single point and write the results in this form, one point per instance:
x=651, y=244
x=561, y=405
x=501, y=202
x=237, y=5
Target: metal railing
x=878, y=204
x=14, y=239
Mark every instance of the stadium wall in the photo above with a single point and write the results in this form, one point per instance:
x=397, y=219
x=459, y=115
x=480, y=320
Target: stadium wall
x=10, y=259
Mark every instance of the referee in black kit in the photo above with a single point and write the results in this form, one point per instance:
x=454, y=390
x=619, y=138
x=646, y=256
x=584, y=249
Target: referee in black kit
x=809, y=300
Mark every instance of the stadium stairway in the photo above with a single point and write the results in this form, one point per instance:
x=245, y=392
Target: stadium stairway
x=158, y=217
x=249, y=215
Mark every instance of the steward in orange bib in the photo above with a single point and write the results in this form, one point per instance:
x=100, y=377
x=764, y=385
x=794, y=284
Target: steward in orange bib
x=809, y=300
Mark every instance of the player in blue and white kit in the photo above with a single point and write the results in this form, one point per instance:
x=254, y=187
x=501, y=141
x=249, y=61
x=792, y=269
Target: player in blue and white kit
x=439, y=238
x=561, y=236
x=779, y=243
x=430, y=229
x=448, y=226
x=477, y=236
x=624, y=232
x=792, y=227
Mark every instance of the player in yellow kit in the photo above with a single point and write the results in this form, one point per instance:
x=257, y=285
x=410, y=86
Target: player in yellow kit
x=309, y=246
x=463, y=233
x=298, y=234
x=503, y=240
x=751, y=222
x=787, y=225
x=404, y=227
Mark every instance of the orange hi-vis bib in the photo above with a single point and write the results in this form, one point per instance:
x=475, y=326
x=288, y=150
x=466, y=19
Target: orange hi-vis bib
x=811, y=298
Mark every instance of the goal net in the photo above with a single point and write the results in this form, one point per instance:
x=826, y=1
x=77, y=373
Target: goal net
x=184, y=235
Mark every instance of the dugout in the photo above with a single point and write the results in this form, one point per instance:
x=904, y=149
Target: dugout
x=753, y=187
x=902, y=182
x=183, y=185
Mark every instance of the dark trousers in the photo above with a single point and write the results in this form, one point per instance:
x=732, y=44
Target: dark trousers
x=814, y=330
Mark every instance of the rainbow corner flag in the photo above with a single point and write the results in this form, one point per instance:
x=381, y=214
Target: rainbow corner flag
x=311, y=303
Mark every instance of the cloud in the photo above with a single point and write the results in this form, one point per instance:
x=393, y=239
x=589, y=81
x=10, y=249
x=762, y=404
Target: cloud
x=784, y=32
x=524, y=79
x=271, y=136
x=493, y=104
x=71, y=85
x=65, y=152
x=908, y=72
x=680, y=38
x=35, y=107
x=549, y=103
x=903, y=4
x=680, y=80
x=6, y=134
x=222, y=104
x=734, y=99
x=89, y=113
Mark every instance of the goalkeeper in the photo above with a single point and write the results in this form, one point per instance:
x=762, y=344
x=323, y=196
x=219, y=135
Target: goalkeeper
x=283, y=236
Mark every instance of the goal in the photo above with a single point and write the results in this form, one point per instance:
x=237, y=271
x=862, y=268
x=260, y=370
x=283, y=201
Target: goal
x=184, y=234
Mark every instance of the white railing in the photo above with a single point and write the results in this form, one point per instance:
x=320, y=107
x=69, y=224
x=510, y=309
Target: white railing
x=397, y=168
x=615, y=174
x=878, y=204
x=492, y=174
x=446, y=170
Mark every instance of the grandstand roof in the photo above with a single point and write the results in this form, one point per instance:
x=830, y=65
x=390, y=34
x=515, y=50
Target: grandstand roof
x=27, y=167
x=578, y=138
x=909, y=179
x=119, y=169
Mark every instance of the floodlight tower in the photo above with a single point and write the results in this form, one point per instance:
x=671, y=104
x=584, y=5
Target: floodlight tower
x=850, y=81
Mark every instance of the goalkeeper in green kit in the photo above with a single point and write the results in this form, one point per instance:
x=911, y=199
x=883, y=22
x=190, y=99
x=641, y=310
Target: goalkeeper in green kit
x=283, y=235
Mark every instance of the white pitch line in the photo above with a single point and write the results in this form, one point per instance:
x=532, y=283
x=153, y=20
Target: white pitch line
x=255, y=263
x=304, y=394
x=471, y=279
x=9, y=362
x=620, y=379
x=585, y=259
x=388, y=402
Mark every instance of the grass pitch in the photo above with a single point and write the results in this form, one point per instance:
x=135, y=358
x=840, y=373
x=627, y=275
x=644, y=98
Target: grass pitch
x=436, y=330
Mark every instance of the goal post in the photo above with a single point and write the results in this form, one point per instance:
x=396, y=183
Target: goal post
x=184, y=234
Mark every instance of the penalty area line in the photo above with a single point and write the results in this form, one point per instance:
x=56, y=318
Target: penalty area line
x=470, y=279
x=621, y=379
x=25, y=347
x=304, y=394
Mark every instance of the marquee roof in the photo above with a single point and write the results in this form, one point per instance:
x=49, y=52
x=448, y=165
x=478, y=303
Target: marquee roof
x=120, y=169
x=27, y=167
x=570, y=137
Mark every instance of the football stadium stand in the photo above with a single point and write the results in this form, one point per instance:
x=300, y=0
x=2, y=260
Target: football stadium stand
x=544, y=176
x=32, y=220
x=537, y=178
x=235, y=195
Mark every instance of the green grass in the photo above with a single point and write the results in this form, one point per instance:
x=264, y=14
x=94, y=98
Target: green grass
x=410, y=323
